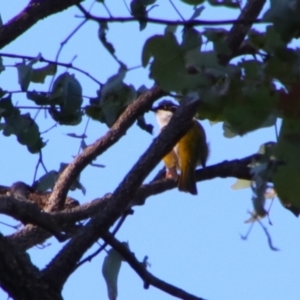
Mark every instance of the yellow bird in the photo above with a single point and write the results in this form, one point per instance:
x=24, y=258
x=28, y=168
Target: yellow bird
x=188, y=153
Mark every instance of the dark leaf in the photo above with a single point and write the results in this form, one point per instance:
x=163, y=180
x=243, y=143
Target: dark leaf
x=102, y=36
x=46, y=182
x=39, y=75
x=141, y=122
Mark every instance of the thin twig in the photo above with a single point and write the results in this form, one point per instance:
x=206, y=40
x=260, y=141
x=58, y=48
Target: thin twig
x=84, y=134
x=178, y=12
x=102, y=247
x=146, y=276
x=42, y=59
x=170, y=22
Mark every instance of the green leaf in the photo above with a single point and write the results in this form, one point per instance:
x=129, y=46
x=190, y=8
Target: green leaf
x=207, y=62
x=216, y=36
x=66, y=92
x=141, y=122
x=77, y=136
x=2, y=68
x=248, y=106
x=65, y=119
x=285, y=17
x=110, y=271
x=197, y=12
x=193, y=2
x=24, y=75
x=46, y=182
x=228, y=131
x=39, y=75
x=139, y=11
x=97, y=165
x=25, y=72
x=191, y=40
x=83, y=145
x=42, y=98
x=168, y=67
x=26, y=130
x=112, y=99
x=114, y=83
x=241, y=184
x=7, y=109
x=226, y=3
x=76, y=184
x=2, y=93
x=286, y=175
x=284, y=66
x=147, y=2
x=102, y=36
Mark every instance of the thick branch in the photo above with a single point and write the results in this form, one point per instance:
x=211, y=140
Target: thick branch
x=19, y=278
x=239, y=30
x=32, y=13
x=65, y=262
x=30, y=236
x=125, y=121
x=27, y=212
x=141, y=270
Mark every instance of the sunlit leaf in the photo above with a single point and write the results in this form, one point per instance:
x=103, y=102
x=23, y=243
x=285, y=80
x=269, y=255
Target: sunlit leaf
x=286, y=175
x=241, y=184
x=110, y=271
x=39, y=75
x=46, y=182
x=76, y=184
x=25, y=70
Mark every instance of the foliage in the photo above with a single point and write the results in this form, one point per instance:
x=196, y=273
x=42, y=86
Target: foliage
x=257, y=88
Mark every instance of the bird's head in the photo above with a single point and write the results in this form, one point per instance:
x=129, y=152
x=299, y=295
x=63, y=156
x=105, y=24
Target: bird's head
x=164, y=111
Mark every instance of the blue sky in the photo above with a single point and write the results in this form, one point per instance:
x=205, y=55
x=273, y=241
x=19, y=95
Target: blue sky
x=191, y=242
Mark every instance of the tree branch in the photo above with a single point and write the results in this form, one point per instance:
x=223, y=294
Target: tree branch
x=19, y=278
x=126, y=120
x=65, y=262
x=30, y=236
x=240, y=29
x=42, y=59
x=187, y=23
x=30, y=15
x=28, y=212
x=141, y=270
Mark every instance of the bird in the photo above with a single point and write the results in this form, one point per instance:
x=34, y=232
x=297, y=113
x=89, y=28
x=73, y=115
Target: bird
x=190, y=151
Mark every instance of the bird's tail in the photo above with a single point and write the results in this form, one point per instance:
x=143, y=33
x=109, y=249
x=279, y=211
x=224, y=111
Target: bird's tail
x=187, y=182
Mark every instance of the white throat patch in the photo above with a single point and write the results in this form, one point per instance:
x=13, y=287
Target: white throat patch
x=163, y=117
